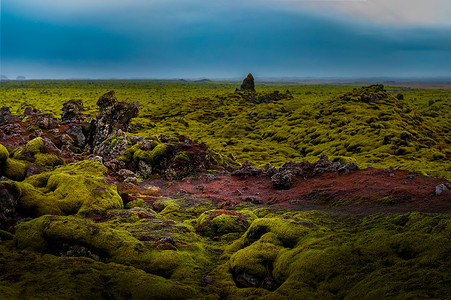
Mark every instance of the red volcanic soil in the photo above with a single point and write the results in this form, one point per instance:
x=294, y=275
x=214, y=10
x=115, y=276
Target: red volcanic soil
x=359, y=192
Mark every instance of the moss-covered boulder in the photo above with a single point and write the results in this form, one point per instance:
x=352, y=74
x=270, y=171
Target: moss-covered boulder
x=4, y=154
x=257, y=250
x=219, y=222
x=76, y=188
x=35, y=146
x=47, y=233
x=10, y=167
x=13, y=168
x=103, y=242
x=48, y=160
x=52, y=277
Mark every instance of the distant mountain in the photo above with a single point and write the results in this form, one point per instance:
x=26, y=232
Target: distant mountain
x=203, y=80
x=20, y=78
x=4, y=78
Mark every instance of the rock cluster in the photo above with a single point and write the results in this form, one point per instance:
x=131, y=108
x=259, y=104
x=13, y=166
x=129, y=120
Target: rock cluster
x=284, y=177
x=247, y=92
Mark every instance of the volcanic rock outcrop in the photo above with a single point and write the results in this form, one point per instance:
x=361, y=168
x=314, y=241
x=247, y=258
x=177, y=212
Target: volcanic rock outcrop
x=113, y=120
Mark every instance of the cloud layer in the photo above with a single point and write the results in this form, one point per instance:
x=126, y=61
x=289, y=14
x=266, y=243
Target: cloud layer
x=197, y=38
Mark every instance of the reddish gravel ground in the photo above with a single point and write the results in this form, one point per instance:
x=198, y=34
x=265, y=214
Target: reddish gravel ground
x=360, y=192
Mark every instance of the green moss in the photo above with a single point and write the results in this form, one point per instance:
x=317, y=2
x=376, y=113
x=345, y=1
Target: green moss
x=152, y=156
x=287, y=231
x=19, y=153
x=35, y=146
x=75, y=188
x=170, y=209
x=48, y=160
x=14, y=169
x=127, y=155
x=219, y=222
x=5, y=235
x=256, y=258
x=79, y=277
x=182, y=156
x=344, y=159
x=4, y=154
x=136, y=203
x=45, y=233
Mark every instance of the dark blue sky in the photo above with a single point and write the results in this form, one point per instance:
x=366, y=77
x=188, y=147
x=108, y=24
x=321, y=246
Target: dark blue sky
x=200, y=38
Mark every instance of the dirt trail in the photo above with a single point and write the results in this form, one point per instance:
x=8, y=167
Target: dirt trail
x=360, y=192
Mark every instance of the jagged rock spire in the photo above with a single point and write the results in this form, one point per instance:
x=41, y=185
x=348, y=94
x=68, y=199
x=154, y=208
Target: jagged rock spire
x=248, y=83
x=113, y=119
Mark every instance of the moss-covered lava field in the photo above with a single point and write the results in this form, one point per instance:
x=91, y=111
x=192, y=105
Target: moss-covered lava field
x=205, y=190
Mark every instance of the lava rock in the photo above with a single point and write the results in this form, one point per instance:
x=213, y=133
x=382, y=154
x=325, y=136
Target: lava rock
x=125, y=173
x=72, y=111
x=246, y=169
x=439, y=189
x=283, y=180
x=324, y=165
x=49, y=147
x=248, y=83
x=76, y=250
x=113, y=119
x=6, y=117
x=47, y=122
x=247, y=280
x=206, y=280
x=76, y=133
x=345, y=169
x=144, y=169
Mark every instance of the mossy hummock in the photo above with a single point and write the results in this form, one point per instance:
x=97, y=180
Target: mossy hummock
x=75, y=188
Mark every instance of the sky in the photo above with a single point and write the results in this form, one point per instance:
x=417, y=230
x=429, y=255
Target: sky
x=157, y=39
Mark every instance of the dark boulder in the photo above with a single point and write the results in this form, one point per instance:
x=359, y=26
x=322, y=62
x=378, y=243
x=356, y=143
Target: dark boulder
x=246, y=169
x=324, y=165
x=6, y=117
x=283, y=180
x=9, y=196
x=345, y=169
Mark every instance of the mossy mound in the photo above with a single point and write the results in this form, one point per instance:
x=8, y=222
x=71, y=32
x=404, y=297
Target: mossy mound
x=219, y=222
x=35, y=146
x=329, y=261
x=282, y=254
x=46, y=233
x=4, y=154
x=80, y=277
x=76, y=188
x=11, y=167
x=48, y=160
